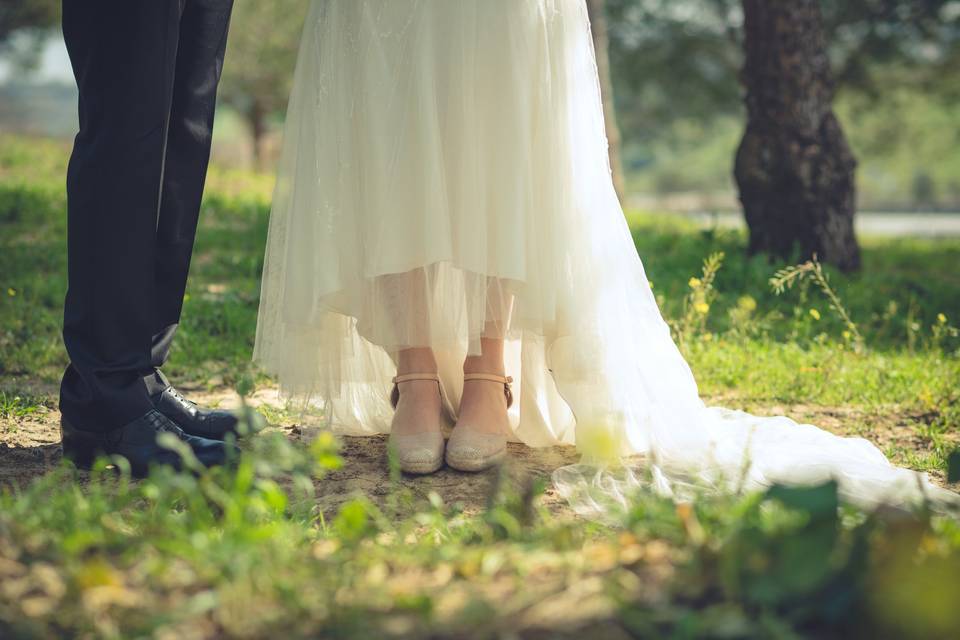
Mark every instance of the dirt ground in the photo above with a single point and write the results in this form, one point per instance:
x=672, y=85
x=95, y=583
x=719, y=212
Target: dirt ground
x=29, y=447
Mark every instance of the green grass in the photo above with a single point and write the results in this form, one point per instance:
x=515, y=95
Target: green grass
x=215, y=340
x=19, y=407
x=247, y=553
x=895, y=299
x=757, y=349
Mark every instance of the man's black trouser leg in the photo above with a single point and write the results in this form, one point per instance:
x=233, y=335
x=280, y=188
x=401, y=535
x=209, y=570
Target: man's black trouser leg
x=203, y=39
x=147, y=72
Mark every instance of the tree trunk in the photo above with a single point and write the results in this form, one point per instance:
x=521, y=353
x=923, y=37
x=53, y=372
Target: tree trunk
x=257, y=119
x=794, y=167
x=601, y=44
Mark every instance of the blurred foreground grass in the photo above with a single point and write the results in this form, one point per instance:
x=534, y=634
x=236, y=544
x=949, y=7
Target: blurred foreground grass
x=248, y=554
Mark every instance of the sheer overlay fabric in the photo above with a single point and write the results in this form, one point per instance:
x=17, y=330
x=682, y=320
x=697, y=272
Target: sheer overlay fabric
x=445, y=178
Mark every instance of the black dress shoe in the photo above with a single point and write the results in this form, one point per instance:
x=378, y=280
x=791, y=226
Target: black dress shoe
x=197, y=421
x=137, y=442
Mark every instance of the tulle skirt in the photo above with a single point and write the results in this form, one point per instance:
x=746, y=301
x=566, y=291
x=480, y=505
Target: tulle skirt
x=445, y=178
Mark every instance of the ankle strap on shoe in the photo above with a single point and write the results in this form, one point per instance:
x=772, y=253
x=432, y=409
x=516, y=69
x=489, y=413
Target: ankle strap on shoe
x=409, y=377
x=488, y=376
x=506, y=381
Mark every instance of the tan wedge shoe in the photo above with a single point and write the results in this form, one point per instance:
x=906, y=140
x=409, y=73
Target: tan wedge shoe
x=472, y=450
x=419, y=453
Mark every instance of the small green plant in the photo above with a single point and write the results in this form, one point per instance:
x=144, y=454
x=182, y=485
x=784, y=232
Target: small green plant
x=785, y=279
x=696, y=304
x=19, y=406
x=942, y=331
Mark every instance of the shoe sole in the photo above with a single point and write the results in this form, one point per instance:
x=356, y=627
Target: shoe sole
x=421, y=468
x=473, y=465
x=83, y=452
x=83, y=457
x=79, y=450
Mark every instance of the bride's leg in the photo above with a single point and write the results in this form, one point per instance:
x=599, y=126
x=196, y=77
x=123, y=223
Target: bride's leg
x=479, y=439
x=418, y=408
x=483, y=406
x=415, y=432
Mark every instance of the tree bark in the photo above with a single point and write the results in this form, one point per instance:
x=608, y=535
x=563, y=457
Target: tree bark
x=794, y=168
x=601, y=45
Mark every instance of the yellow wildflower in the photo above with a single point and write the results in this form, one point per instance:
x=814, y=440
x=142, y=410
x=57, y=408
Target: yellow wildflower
x=942, y=319
x=702, y=308
x=747, y=303
x=694, y=283
x=814, y=314
x=847, y=335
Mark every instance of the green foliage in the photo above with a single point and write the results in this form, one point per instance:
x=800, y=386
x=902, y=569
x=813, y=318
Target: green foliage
x=262, y=51
x=787, y=277
x=907, y=142
x=676, y=65
x=214, y=347
x=654, y=42
x=260, y=60
x=790, y=563
x=696, y=305
x=28, y=19
x=19, y=407
x=246, y=551
x=27, y=14
x=869, y=38
x=243, y=553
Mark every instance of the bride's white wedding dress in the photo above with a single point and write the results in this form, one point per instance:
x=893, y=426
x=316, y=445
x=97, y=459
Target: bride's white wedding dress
x=445, y=177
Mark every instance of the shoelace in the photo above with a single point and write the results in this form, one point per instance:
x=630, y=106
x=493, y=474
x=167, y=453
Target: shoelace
x=162, y=425
x=169, y=428
x=191, y=407
x=155, y=419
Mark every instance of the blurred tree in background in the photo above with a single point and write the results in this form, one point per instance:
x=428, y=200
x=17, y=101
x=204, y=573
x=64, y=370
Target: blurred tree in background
x=677, y=66
x=29, y=20
x=261, y=55
x=676, y=59
x=794, y=167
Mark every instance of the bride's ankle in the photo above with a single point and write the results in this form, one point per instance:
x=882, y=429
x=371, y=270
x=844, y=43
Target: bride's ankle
x=489, y=361
x=418, y=408
x=479, y=364
x=418, y=360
